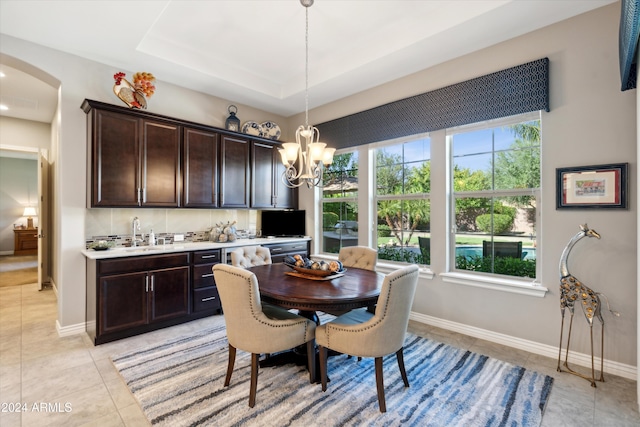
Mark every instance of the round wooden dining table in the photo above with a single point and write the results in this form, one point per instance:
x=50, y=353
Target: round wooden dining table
x=280, y=285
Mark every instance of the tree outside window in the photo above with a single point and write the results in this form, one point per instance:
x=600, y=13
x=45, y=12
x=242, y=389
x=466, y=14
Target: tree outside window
x=340, y=204
x=496, y=180
x=403, y=183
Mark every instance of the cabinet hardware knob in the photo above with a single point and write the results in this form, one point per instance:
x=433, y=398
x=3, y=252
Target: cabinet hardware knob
x=208, y=299
x=207, y=275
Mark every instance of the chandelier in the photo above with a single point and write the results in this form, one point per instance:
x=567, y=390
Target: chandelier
x=305, y=159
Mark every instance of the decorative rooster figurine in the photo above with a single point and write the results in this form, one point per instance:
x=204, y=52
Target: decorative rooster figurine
x=134, y=94
x=572, y=290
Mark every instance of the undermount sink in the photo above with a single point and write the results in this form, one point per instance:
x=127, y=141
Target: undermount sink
x=140, y=249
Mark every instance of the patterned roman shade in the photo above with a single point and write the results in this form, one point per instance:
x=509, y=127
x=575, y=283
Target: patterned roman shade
x=516, y=90
x=628, y=41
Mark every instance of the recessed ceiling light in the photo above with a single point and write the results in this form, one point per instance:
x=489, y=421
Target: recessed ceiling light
x=3, y=107
x=2, y=74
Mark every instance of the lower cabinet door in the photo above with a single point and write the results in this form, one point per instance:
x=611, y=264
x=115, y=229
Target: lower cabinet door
x=169, y=292
x=123, y=302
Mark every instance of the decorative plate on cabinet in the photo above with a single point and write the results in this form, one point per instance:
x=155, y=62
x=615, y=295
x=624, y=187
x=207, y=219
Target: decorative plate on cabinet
x=271, y=130
x=253, y=128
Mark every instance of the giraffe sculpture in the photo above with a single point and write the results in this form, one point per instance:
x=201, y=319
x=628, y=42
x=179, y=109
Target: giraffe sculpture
x=572, y=290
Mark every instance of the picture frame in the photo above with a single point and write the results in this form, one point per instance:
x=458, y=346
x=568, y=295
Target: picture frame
x=592, y=187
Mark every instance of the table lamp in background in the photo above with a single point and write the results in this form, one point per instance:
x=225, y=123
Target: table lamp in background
x=29, y=212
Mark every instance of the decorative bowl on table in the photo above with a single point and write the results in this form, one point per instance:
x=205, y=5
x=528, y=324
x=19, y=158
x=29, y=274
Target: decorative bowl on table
x=101, y=245
x=314, y=268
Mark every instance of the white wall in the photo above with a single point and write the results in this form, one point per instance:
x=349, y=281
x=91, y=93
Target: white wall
x=591, y=122
x=23, y=133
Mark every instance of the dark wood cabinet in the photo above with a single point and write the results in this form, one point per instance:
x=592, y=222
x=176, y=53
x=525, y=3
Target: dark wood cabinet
x=286, y=198
x=281, y=250
x=134, y=161
x=124, y=302
x=200, y=151
x=160, y=165
x=267, y=188
x=234, y=172
x=262, y=175
x=137, y=294
x=140, y=159
x=115, y=158
x=205, y=292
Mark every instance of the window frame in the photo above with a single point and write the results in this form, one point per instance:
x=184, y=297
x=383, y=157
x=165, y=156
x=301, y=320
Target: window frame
x=521, y=285
x=350, y=199
x=375, y=198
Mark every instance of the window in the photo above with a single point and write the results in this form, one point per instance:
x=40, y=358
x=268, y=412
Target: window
x=340, y=204
x=403, y=184
x=495, y=180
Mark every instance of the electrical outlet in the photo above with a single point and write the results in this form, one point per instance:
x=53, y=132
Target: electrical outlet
x=178, y=237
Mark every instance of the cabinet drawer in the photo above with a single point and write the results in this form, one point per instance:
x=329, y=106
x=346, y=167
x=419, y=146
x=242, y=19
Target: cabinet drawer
x=284, y=248
x=203, y=276
x=142, y=263
x=206, y=299
x=207, y=257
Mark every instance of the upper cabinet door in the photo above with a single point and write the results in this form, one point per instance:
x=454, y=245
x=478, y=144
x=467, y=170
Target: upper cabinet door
x=262, y=170
x=234, y=172
x=160, y=164
x=267, y=188
x=200, y=168
x=285, y=197
x=115, y=158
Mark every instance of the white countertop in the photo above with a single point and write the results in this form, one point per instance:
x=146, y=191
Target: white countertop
x=120, y=252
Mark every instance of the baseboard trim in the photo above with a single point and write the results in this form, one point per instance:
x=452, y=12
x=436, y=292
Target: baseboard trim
x=66, y=331
x=611, y=367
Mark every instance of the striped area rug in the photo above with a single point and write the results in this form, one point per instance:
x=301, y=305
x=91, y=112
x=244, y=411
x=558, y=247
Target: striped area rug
x=180, y=383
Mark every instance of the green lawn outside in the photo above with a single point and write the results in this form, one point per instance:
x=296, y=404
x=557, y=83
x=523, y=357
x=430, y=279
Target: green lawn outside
x=461, y=239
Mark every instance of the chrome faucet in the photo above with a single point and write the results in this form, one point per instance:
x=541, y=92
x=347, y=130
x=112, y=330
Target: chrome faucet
x=135, y=226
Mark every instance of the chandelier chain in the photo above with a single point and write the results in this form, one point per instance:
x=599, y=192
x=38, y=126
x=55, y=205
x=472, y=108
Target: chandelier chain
x=306, y=69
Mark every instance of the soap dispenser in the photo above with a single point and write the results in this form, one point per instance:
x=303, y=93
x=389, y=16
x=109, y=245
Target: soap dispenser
x=152, y=238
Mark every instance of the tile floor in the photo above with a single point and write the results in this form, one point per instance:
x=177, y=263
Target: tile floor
x=69, y=382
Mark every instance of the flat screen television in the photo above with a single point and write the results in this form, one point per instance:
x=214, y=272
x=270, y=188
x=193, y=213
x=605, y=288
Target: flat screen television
x=289, y=223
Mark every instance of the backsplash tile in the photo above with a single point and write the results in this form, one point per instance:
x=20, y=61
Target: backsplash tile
x=116, y=224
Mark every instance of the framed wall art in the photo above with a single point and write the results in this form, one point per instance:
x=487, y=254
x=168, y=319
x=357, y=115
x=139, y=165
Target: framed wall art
x=599, y=186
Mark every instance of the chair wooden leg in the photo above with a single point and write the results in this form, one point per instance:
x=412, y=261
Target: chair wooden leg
x=323, y=366
x=232, y=361
x=254, y=379
x=311, y=360
x=403, y=372
x=380, y=385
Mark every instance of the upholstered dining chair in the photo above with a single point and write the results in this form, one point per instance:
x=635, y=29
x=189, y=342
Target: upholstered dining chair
x=249, y=256
x=255, y=328
x=365, y=334
x=358, y=257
